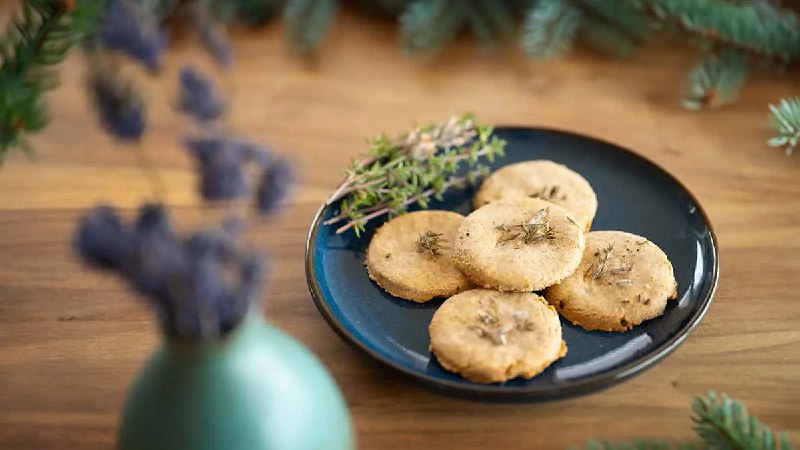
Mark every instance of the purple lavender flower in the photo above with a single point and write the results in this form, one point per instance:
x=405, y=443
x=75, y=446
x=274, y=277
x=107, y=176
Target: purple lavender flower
x=255, y=153
x=126, y=28
x=214, y=39
x=203, y=148
x=221, y=162
x=233, y=311
x=217, y=285
x=223, y=178
x=275, y=185
x=202, y=287
x=232, y=226
x=119, y=106
x=197, y=96
x=155, y=256
x=102, y=239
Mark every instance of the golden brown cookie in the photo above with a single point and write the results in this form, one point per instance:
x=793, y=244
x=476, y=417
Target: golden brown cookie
x=490, y=336
x=623, y=280
x=518, y=245
x=542, y=179
x=411, y=256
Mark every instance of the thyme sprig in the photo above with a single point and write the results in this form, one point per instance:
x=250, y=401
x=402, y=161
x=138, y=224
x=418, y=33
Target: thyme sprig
x=431, y=243
x=535, y=230
x=597, y=269
x=411, y=169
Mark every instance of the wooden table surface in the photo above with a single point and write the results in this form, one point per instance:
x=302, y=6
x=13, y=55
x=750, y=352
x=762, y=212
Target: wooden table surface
x=71, y=340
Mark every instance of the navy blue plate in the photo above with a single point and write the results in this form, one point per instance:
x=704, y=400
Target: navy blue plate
x=634, y=195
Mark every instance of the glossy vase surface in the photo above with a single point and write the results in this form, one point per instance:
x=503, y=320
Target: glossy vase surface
x=256, y=389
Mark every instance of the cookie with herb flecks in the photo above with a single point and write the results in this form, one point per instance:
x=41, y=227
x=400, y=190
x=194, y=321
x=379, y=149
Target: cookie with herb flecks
x=490, y=336
x=542, y=179
x=622, y=281
x=410, y=256
x=518, y=245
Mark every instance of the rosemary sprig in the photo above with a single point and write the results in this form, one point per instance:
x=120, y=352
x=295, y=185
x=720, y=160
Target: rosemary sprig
x=535, y=230
x=597, y=269
x=549, y=193
x=411, y=169
x=431, y=243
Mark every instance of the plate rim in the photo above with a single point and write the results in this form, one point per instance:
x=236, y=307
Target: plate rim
x=568, y=389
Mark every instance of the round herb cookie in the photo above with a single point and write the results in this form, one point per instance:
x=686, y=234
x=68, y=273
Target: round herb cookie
x=623, y=280
x=490, y=336
x=411, y=256
x=518, y=245
x=542, y=179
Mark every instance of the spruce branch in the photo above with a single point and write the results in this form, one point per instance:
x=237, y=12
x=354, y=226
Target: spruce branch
x=721, y=423
x=491, y=22
x=412, y=169
x=625, y=16
x=639, y=444
x=428, y=25
x=549, y=28
x=786, y=124
x=724, y=423
x=306, y=23
x=253, y=12
x=757, y=28
x=615, y=28
x=607, y=39
x=716, y=80
x=39, y=36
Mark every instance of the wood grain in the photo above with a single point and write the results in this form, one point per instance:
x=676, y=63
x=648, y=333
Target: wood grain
x=71, y=341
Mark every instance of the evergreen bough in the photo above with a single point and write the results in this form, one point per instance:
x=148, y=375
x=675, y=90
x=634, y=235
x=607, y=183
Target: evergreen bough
x=731, y=37
x=720, y=422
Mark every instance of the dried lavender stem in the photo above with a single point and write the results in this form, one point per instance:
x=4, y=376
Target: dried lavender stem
x=385, y=209
x=151, y=172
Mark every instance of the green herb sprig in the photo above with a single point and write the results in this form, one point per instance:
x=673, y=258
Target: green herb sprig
x=721, y=423
x=411, y=169
x=40, y=35
x=786, y=125
x=430, y=242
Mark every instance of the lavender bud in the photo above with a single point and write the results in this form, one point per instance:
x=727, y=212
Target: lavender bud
x=240, y=300
x=214, y=39
x=156, y=254
x=119, y=106
x=223, y=178
x=275, y=185
x=253, y=153
x=127, y=28
x=233, y=227
x=197, y=96
x=153, y=219
x=204, y=149
x=102, y=239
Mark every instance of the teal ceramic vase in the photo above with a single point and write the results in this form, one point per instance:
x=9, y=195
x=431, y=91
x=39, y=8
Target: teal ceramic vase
x=256, y=389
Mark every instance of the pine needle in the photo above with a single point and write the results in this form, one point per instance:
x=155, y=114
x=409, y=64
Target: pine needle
x=429, y=25
x=39, y=36
x=721, y=423
x=724, y=423
x=786, y=124
x=607, y=39
x=306, y=23
x=550, y=28
x=716, y=81
x=492, y=22
x=756, y=27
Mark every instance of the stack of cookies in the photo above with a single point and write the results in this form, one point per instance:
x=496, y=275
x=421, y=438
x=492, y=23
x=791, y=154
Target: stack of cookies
x=529, y=233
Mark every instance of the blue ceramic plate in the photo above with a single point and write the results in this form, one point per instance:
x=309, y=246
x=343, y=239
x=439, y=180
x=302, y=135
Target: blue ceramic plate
x=634, y=195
